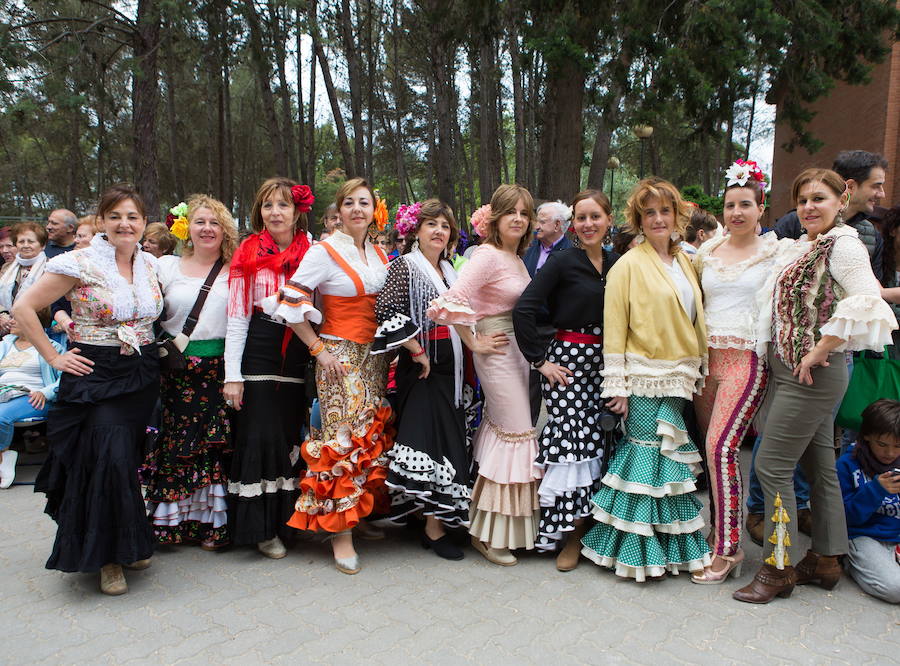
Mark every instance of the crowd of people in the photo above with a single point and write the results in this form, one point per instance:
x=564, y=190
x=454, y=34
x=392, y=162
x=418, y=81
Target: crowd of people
x=200, y=389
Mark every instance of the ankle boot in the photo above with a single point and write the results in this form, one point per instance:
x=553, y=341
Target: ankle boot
x=768, y=583
x=822, y=570
x=567, y=560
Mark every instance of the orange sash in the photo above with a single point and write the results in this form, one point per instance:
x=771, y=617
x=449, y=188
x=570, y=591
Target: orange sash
x=350, y=317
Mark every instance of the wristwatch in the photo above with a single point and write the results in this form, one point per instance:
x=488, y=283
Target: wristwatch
x=537, y=364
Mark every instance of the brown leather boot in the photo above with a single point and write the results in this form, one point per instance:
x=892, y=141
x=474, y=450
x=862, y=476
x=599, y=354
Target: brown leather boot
x=768, y=583
x=755, y=527
x=567, y=560
x=822, y=570
x=804, y=521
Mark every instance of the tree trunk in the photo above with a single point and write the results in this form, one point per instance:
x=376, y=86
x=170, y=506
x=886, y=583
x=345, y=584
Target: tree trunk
x=280, y=36
x=263, y=71
x=489, y=162
x=398, y=116
x=518, y=102
x=228, y=171
x=168, y=75
x=600, y=154
x=301, y=120
x=145, y=101
x=354, y=81
x=349, y=165
x=311, y=164
x=561, y=141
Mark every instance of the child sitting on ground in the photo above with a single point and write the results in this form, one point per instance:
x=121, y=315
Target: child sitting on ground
x=869, y=474
x=27, y=385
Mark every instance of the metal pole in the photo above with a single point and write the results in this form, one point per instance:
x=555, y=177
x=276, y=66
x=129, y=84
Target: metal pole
x=643, y=141
x=612, y=186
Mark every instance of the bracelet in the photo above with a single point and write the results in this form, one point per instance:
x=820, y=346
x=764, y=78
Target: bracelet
x=538, y=364
x=417, y=355
x=317, y=347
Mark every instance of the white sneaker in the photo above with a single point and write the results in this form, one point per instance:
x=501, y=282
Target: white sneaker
x=8, y=468
x=273, y=548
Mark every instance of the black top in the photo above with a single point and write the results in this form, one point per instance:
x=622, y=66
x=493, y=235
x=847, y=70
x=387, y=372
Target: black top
x=570, y=289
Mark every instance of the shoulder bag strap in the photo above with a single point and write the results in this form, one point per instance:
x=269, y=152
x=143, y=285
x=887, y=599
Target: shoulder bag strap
x=191, y=322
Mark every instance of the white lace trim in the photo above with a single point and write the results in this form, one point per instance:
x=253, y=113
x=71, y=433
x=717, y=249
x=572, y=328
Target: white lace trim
x=289, y=314
x=640, y=574
x=671, y=441
x=666, y=490
x=863, y=321
x=647, y=529
x=372, y=275
x=264, y=486
x=207, y=505
x=652, y=378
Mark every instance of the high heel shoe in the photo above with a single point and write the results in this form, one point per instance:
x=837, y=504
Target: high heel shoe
x=346, y=565
x=822, y=570
x=734, y=565
x=768, y=583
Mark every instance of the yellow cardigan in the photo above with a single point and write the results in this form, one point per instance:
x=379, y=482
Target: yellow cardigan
x=650, y=346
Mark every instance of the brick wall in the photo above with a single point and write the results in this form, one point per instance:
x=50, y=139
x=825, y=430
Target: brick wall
x=849, y=118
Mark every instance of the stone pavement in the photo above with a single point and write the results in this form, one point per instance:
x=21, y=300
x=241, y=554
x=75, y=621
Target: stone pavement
x=406, y=607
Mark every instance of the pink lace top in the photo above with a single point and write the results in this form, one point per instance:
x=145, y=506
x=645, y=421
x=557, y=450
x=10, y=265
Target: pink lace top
x=490, y=284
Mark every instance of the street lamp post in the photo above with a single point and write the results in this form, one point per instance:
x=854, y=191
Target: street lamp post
x=612, y=164
x=642, y=132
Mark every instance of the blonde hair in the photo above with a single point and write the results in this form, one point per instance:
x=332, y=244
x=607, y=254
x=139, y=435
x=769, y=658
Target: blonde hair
x=656, y=188
x=160, y=233
x=504, y=202
x=223, y=216
x=283, y=187
x=346, y=189
x=831, y=179
x=93, y=220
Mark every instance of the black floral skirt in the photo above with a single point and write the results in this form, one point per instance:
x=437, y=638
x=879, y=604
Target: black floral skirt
x=186, y=469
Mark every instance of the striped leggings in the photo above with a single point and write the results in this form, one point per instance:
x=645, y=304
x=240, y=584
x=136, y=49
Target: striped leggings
x=733, y=393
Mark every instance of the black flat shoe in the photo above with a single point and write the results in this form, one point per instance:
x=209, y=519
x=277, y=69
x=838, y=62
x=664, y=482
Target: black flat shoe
x=443, y=547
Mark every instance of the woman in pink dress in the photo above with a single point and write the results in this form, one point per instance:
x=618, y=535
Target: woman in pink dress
x=504, y=507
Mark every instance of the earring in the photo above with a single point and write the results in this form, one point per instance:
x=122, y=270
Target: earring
x=839, y=221
x=640, y=238
x=415, y=245
x=674, y=236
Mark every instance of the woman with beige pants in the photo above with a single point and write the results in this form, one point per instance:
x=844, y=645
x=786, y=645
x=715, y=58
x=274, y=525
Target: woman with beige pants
x=825, y=301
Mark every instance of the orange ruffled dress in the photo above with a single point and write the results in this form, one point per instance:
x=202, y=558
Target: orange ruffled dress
x=346, y=461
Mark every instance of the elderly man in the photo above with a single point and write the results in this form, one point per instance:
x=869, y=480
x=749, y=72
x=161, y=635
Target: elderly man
x=550, y=235
x=61, y=226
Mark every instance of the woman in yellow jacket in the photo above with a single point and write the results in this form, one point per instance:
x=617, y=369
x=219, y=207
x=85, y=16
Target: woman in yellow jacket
x=654, y=356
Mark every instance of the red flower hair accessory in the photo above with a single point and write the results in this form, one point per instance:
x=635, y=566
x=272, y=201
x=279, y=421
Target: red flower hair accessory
x=303, y=198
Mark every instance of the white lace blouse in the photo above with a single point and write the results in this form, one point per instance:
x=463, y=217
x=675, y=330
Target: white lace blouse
x=108, y=310
x=730, y=291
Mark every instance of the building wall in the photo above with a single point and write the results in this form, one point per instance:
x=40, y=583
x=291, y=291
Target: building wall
x=849, y=118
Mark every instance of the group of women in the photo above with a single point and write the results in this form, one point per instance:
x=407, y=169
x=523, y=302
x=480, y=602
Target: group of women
x=612, y=474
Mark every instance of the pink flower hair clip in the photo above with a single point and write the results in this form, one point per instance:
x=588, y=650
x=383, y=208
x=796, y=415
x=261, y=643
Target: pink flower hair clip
x=479, y=220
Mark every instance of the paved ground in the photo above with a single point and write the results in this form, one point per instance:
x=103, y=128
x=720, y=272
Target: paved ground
x=406, y=606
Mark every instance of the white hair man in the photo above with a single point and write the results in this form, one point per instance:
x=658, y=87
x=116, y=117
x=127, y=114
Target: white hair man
x=553, y=219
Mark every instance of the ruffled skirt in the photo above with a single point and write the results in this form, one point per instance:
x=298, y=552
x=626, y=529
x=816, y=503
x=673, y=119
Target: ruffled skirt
x=346, y=459
x=262, y=480
x=95, y=431
x=649, y=523
x=571, y=444
x=429, y=461
x=186, y=486
x=504, y=508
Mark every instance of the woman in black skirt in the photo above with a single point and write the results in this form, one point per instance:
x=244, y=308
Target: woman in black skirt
x=429, y=462
x=264, y=369
x=568, y=290
x=109, y=385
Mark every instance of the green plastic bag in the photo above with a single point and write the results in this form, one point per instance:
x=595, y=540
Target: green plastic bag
x=872, y=379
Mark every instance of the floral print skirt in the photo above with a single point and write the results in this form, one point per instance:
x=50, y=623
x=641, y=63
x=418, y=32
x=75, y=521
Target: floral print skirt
x=186, y=478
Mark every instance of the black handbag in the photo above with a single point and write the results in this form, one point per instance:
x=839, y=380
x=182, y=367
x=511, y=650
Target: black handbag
x=171, y=350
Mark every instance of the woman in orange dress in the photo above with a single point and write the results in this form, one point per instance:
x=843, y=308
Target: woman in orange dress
x=346, y=460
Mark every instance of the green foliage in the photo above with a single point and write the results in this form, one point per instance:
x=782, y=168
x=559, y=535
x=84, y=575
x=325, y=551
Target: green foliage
x=695, y=194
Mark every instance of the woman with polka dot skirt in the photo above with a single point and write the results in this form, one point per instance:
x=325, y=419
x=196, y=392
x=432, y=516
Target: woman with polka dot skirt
x=569, y=287
x=428, y=469
x=654, y=359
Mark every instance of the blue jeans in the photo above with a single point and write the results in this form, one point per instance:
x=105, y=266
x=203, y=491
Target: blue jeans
x=754, y=490
x=14, y=411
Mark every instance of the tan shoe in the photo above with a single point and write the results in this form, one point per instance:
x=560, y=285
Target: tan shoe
x=112, y=580
x=500, y=556
x=568, y=557
x=273, y=548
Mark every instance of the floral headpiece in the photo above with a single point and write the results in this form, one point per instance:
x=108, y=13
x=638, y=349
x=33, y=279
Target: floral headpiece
x=744, y=170
x=381, y=212
x=479, y=220
x=407, y=218
x=177, y=221
x=303, y=198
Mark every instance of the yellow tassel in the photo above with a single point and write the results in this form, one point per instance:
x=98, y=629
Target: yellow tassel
x=780, y=537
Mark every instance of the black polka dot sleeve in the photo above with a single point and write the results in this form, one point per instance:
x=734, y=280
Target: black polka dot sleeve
x=392, y=310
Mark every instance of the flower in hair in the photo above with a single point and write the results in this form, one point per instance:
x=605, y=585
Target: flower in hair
x=742, y=171
x=179, y=224
x=479, y=220
x=303, y=198
x=407, y=218
x=381, y=213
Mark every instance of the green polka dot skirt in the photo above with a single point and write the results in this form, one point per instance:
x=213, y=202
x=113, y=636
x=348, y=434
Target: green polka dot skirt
x=648, y=521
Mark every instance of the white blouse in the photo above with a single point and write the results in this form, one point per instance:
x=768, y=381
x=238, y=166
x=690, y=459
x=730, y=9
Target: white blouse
x=685, y=290
x=180, y=292
x=319, y=271
x=730, y=291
